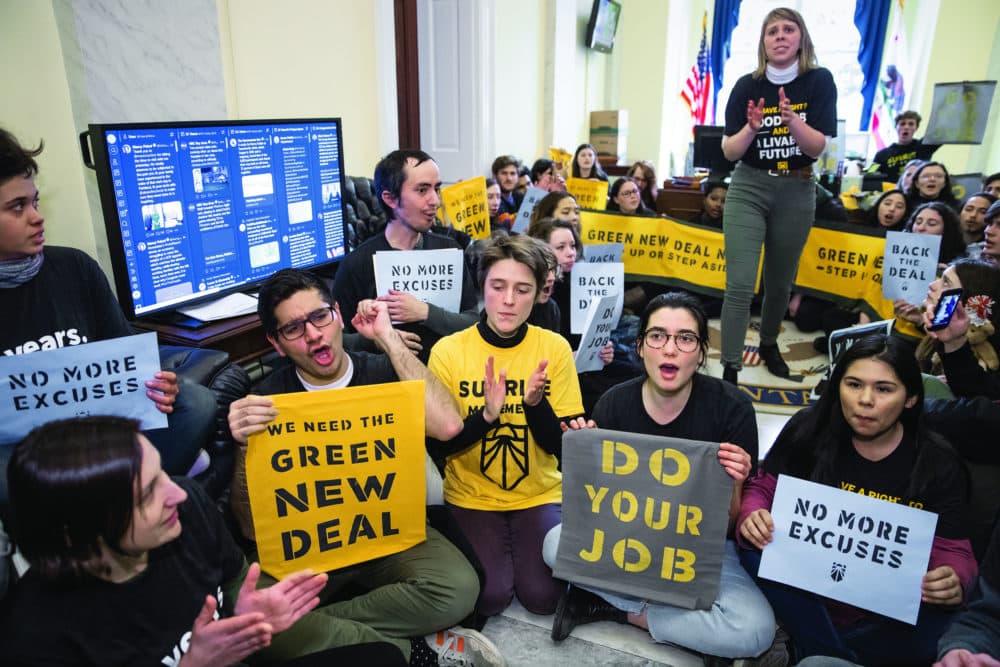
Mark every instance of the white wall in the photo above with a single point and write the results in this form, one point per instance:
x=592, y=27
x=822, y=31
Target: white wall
x=37, y=106
x=310, y=58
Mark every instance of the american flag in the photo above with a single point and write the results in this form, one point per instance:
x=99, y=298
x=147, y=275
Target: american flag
x=698, y=87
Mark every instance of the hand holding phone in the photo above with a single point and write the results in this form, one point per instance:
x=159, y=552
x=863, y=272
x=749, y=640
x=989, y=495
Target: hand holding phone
x=949, y=300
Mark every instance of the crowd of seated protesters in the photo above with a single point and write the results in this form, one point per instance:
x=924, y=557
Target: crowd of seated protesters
x=485, y=543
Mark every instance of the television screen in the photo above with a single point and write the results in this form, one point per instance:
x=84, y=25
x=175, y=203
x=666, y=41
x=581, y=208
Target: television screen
x=708, y=150
x=603, y=25
x=195, y=210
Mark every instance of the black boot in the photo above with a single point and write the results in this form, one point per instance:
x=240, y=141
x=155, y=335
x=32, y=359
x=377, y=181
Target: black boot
x=729, y=374
x=772, y=359
x=577, y=607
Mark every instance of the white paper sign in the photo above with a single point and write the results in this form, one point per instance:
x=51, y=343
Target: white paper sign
x=592, y=281
x=434, y=276
x=909, y=266
x=103, y=378
x=602, y=318
x=843, y=545
x=531, y=197
x=602, y=253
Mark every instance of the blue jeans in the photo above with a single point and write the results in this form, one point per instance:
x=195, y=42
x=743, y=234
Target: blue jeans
x=776, y=212
x=874, y=640
x=740, y=623
x=189, y=428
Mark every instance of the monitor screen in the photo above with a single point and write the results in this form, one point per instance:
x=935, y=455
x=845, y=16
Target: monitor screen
x=603, y=25
x=708, y=150
x=195, y=210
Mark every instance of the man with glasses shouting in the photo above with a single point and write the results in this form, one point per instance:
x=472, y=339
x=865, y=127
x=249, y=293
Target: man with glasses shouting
x=423, y=590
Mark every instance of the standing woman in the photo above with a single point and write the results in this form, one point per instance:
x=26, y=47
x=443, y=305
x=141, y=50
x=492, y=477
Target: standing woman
x=502, y=479
x=778, y=121
x=585, y=164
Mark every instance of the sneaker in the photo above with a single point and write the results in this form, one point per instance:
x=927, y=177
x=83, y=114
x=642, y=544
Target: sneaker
x=462, y=647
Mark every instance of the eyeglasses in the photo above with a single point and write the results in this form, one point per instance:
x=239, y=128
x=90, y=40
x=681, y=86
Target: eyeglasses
x=628, y=193
x=319, y=318
x=657, y=338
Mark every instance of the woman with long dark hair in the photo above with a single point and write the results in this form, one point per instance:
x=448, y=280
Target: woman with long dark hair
x=778, y=121
x=585, y=164
x=867, y=432
x=671, y=398
x=931, y=182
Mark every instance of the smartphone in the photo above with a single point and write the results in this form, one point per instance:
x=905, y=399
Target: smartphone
x=946, y=305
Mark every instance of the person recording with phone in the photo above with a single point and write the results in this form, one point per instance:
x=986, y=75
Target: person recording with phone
x=968, y=340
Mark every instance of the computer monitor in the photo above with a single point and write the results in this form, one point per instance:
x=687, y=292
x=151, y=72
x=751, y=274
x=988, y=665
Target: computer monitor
x=195, y=210
x=708, y=151
x=603, y=25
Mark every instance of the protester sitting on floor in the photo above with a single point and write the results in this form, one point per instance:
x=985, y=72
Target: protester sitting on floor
x=585, y=164
x=132, y=567
x=625, y=197
x=523, y=179
x=906, y=176
x=420, y=591
x=969, y=345
x=546, y=312
x=991, y=184
x=867, y=429
x=673, y=399
x=712, y=205
x=938, y=219
x=560, y=205
x=502, y=478
x=972, y=220
x=991, y=234
x=55, y=297
x=889, y=213
x=644, y=175
x=505, y=171
x=407, y=183
x=545, y=176
x=931, y=183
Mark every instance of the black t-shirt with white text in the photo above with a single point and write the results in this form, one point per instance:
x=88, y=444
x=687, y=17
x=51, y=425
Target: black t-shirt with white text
x=813, y=96
x=144, y=621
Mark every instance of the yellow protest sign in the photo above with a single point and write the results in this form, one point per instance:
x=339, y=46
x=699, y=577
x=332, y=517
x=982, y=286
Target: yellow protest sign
x=848, y=265
x=563, y=159
x=335, y=480
x=588, y=194
x=837, y=264
x=662, y=249
x=466, y=206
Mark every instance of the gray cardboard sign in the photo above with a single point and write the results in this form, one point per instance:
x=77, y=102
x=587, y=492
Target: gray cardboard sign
x=959, y=112
x=644, y=516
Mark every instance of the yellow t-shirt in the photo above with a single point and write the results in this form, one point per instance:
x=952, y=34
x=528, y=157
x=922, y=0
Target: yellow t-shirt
x=507, y=470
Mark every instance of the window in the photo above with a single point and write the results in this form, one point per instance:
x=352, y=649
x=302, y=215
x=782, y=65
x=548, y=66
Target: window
x=835, y=38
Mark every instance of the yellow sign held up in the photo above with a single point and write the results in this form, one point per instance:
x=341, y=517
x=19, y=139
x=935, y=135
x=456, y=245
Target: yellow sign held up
x=467, y=208
x=335, y=480
x=843, y=266
x=588, y=194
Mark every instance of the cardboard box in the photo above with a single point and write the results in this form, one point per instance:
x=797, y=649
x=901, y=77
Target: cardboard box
x=609, y=135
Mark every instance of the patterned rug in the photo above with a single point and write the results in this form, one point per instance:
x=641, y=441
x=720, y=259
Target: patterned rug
x=770, y=393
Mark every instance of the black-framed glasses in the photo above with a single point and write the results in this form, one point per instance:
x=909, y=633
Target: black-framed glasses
x=319, y=318
x=656, y=338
